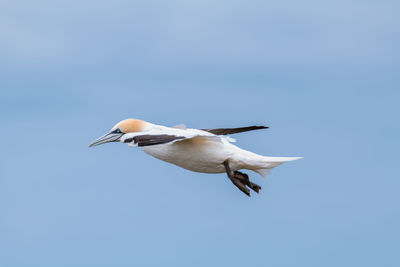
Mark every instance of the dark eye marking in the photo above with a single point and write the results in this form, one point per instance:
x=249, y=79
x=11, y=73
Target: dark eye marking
x=118, y=130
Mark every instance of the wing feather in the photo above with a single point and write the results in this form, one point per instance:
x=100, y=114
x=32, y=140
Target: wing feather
x=165, y=135
x=227, y=131
x=151, y=139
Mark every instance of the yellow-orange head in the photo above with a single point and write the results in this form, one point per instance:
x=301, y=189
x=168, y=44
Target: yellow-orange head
x=121, y=128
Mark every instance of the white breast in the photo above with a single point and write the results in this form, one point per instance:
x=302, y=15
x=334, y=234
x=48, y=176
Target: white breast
x=199, y=154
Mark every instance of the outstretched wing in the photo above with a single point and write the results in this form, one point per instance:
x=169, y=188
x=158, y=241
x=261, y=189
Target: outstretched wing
x=226, y=131
x=164, y=135
x=152, y=139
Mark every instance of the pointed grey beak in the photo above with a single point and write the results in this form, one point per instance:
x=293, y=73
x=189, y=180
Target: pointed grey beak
x=110, y=137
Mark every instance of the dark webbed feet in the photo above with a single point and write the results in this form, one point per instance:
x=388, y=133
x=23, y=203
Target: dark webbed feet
x=244, y=178
x=240, y=185
x=241, y=180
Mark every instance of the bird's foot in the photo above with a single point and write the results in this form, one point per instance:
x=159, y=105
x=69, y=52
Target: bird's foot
x=244, y=179
x=240, y=180
x=242, y=187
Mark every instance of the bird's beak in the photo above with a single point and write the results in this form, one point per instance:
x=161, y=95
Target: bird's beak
x=110, y=137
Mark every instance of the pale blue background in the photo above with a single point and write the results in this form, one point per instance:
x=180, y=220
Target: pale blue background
x=324, y=75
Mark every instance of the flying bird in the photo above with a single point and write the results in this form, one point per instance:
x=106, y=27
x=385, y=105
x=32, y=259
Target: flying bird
x=198, y=150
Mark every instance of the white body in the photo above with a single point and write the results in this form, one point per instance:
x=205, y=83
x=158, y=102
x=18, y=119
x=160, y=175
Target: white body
x=202, y=151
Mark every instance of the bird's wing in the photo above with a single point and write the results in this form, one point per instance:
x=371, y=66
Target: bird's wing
x=226, y=131
x=164, y=135
x=152, y=139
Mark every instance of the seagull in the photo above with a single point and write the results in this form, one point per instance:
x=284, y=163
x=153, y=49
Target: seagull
x=198, y=150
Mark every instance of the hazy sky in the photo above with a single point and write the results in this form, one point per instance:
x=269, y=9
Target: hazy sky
x=324, y=75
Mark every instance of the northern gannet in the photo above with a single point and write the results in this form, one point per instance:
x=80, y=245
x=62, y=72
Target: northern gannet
x=204, y=150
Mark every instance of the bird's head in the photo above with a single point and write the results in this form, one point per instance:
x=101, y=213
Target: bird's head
x=120, y=129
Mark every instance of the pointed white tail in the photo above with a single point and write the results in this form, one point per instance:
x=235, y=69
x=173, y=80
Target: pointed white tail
x=268, y=163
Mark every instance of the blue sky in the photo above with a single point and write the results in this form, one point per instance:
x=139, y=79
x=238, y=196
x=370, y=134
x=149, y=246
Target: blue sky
x=324, y=75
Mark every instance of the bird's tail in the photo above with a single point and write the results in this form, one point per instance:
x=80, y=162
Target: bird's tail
x=265, y=164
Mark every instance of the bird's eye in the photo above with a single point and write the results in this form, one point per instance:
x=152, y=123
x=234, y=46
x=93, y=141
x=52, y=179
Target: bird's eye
x=117, y=130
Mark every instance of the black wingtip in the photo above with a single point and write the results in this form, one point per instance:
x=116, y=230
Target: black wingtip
x=227, y=131
x=257, y=127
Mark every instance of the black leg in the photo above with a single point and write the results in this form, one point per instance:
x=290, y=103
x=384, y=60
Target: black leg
x=235, y=180
x=244, y=178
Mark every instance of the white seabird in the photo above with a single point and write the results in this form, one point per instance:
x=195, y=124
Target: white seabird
x=205, y=150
